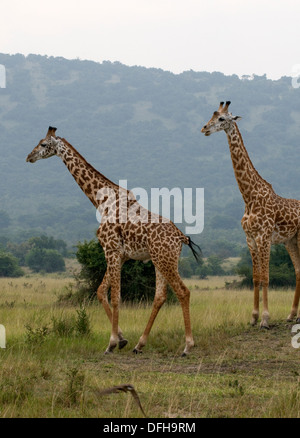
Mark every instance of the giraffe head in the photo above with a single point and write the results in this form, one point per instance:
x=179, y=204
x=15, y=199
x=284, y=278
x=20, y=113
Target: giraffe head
x=46, y=148
x=221, y=120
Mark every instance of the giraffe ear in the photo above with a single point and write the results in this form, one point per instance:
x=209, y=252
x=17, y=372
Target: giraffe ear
x=236, y=118
x=54, y=142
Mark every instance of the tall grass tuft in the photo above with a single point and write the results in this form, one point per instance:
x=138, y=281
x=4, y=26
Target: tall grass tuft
x=82, y=324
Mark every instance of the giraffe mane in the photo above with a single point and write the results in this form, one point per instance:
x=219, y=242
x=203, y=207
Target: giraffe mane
x=246, y=152
x=88, y=164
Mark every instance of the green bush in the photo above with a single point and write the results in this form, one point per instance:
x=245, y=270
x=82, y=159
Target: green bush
x=82, y=324
x=9, y=266
x=64, y=325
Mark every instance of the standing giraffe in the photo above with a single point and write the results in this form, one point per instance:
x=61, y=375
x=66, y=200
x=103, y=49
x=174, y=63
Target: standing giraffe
x=127, y=231
x=268, y=218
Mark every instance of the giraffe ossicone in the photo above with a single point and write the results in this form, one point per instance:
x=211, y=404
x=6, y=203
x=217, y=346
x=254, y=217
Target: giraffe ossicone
x=268, y=218
x=160, y=241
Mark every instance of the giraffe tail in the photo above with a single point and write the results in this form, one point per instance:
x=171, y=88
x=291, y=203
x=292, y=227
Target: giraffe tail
x=196, y=250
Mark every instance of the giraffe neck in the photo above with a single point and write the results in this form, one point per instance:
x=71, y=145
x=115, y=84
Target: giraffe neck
x=87, y=177
x=250, y=183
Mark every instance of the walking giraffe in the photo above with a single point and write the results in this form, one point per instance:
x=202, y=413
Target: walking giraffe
x=268, y=218
x=127, y=231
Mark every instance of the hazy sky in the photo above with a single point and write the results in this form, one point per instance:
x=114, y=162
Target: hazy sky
x=230, y=36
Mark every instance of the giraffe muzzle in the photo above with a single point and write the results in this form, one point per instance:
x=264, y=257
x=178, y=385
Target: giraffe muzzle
x=205, y=132
x=30, y=159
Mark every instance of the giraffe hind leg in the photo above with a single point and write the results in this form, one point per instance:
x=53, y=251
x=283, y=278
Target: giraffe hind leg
x=159, y=299
x=183, y=294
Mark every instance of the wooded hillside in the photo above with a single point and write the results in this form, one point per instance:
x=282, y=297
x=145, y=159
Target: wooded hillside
x=142, y=125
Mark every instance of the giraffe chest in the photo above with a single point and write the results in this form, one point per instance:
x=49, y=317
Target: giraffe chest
x=257, y=221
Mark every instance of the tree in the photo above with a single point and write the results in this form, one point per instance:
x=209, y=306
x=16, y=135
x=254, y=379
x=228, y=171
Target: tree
x=184, y=267
x=189, y=266
x=9, y=265
x=48, y=260
x=19, y=250
x=211, y=266
x=214, y=265
x=46, y=242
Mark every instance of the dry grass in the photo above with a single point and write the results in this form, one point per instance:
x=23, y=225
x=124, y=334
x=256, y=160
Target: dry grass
x=235, y=370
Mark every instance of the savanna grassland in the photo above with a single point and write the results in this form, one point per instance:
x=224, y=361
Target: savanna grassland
x=54, y=366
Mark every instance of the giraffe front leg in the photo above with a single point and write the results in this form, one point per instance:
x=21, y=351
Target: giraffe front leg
x=114, y=269
x=102, y=297
x=255, y=311
x=256, y=279
x=265, y=314
x=264, y=256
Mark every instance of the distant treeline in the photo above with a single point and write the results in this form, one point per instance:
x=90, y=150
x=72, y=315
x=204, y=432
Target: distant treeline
x=41, y=254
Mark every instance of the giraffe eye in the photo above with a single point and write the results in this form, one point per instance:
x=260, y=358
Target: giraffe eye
x=221, y=119
x=43, y=145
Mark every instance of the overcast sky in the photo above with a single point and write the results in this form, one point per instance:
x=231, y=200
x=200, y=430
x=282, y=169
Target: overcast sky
x=230, y=36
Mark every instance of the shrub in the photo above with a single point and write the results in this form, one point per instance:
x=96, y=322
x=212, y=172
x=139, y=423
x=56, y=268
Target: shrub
x=36, y=336
x=63, y=326
x=82, y=324
x=9, y=266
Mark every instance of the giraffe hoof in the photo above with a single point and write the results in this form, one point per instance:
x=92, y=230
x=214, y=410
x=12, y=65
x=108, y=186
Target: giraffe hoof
x=183, y=354
x=264, y=326
x=136, y=351
x=122, y=343
x=298, y=320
